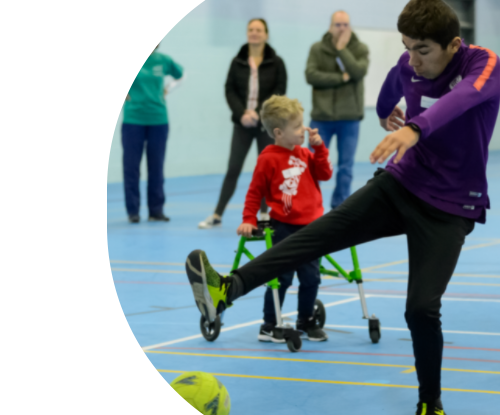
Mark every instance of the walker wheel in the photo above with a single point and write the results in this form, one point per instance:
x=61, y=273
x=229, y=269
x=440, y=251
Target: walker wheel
x=374, y=330
x=210, y=330
x=294, y=345
x=319, y=313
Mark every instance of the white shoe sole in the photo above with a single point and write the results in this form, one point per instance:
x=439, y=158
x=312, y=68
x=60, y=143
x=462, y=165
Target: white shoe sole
x=269, y=339
x=198, y=280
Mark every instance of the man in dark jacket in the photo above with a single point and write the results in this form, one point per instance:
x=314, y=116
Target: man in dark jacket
x=335, y=68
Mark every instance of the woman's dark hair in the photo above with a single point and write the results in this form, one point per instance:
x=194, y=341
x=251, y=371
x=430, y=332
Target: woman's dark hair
x=429, y=19
x=262, y=21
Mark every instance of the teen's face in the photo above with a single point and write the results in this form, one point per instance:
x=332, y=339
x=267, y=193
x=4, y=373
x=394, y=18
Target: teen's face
x=294, y=132
x=340, y=23
x=256, y=33
x=428, y=58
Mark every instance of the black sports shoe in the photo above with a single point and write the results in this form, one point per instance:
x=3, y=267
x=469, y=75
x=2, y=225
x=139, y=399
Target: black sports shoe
x=434, y=408
x=311, y=330
x=159, y=218
x=134, y=218
x=268, y=334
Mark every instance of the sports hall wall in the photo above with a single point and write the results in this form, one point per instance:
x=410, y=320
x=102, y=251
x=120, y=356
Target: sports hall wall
x=206, y=40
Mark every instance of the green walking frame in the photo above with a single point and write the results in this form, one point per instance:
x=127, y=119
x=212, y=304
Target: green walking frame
x=264, y=232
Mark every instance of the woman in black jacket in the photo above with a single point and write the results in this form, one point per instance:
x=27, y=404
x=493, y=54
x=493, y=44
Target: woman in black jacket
x=256, y=74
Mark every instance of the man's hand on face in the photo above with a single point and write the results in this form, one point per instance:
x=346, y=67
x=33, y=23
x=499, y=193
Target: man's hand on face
x=344, y=39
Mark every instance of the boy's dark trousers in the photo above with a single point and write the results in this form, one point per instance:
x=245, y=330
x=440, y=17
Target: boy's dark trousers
x=308, y=274
x=382, y=208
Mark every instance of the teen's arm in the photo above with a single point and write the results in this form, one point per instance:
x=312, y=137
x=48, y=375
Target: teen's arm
x=481, y=84
x=256, y=191
x=318, y=78
x=390, y=94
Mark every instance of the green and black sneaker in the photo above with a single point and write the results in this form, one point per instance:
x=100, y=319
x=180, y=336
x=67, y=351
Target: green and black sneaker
x=209, y=287
x=434, y=408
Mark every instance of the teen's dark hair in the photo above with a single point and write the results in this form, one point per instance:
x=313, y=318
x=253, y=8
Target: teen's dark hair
x=262, y=21
x=429, y=19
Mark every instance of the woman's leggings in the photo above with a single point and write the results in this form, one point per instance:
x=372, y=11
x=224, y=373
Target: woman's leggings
x=240, y=144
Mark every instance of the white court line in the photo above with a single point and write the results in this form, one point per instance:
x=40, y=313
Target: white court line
x=458, y=275
x=478, y=300
x=476, y=284
x=476, y=333
x=173, y=264
x=250, y=323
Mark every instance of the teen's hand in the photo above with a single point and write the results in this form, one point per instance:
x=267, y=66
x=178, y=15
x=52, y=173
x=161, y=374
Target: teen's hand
x=314, y=137
x=245, y=229
x=399, y=141
x=253, y=115
x=395, y=121
x=346, y=77
x=344, y=39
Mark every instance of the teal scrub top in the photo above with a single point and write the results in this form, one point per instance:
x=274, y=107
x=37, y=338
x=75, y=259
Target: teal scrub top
x=147, y=105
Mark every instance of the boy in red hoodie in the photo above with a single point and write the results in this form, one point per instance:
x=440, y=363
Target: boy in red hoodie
x=287, y=176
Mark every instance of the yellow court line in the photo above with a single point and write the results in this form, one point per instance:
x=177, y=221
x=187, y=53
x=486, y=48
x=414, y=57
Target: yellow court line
x=333, y=382
x=284, y=359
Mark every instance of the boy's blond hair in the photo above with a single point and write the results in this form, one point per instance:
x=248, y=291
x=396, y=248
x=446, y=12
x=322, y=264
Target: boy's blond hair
x=277, y=111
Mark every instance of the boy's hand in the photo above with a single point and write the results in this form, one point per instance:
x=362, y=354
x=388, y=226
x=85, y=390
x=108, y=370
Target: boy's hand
x=399, y=141
x=314, y=137
x=245, y=229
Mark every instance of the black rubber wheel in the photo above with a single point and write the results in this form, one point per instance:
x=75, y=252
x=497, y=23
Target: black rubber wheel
x=210, y=330
x=374, y=330
x=294, y=345
x=319, y=313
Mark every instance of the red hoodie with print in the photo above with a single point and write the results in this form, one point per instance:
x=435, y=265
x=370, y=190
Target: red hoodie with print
x=289, y=180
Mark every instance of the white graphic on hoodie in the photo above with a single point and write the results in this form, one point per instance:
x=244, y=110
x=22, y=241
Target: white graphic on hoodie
x=290, y=185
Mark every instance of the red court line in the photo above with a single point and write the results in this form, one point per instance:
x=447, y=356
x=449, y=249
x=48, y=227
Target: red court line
x=319, y=352
x=472, y=348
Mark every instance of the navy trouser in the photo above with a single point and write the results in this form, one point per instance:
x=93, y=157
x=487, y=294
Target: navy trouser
x=347, y=133
x=134, y=139
x=307, y=272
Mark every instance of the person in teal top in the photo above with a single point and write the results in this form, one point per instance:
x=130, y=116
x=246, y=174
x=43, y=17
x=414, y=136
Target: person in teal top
x=145, y=125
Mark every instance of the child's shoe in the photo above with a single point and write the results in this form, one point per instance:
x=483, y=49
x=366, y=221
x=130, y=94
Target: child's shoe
x=311, y=330
x=209, y=287
x=268, y=334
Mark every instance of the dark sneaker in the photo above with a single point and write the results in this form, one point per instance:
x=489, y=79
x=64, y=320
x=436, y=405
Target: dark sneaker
x=159, y=218
x=209, y=288
x=134, y=218
x=268, y=334
x=311, y=330
x=433, y=408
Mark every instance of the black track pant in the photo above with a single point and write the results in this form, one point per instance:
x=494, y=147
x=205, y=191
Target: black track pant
x=240, y=145
x=382, y=208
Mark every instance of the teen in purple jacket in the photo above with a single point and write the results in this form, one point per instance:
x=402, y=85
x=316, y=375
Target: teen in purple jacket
x=433, y=190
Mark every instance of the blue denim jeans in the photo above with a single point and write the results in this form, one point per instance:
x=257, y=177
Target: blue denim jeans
x=347, y=133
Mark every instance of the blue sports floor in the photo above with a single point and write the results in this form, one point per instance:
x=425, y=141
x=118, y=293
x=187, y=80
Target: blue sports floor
x=345, y=375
